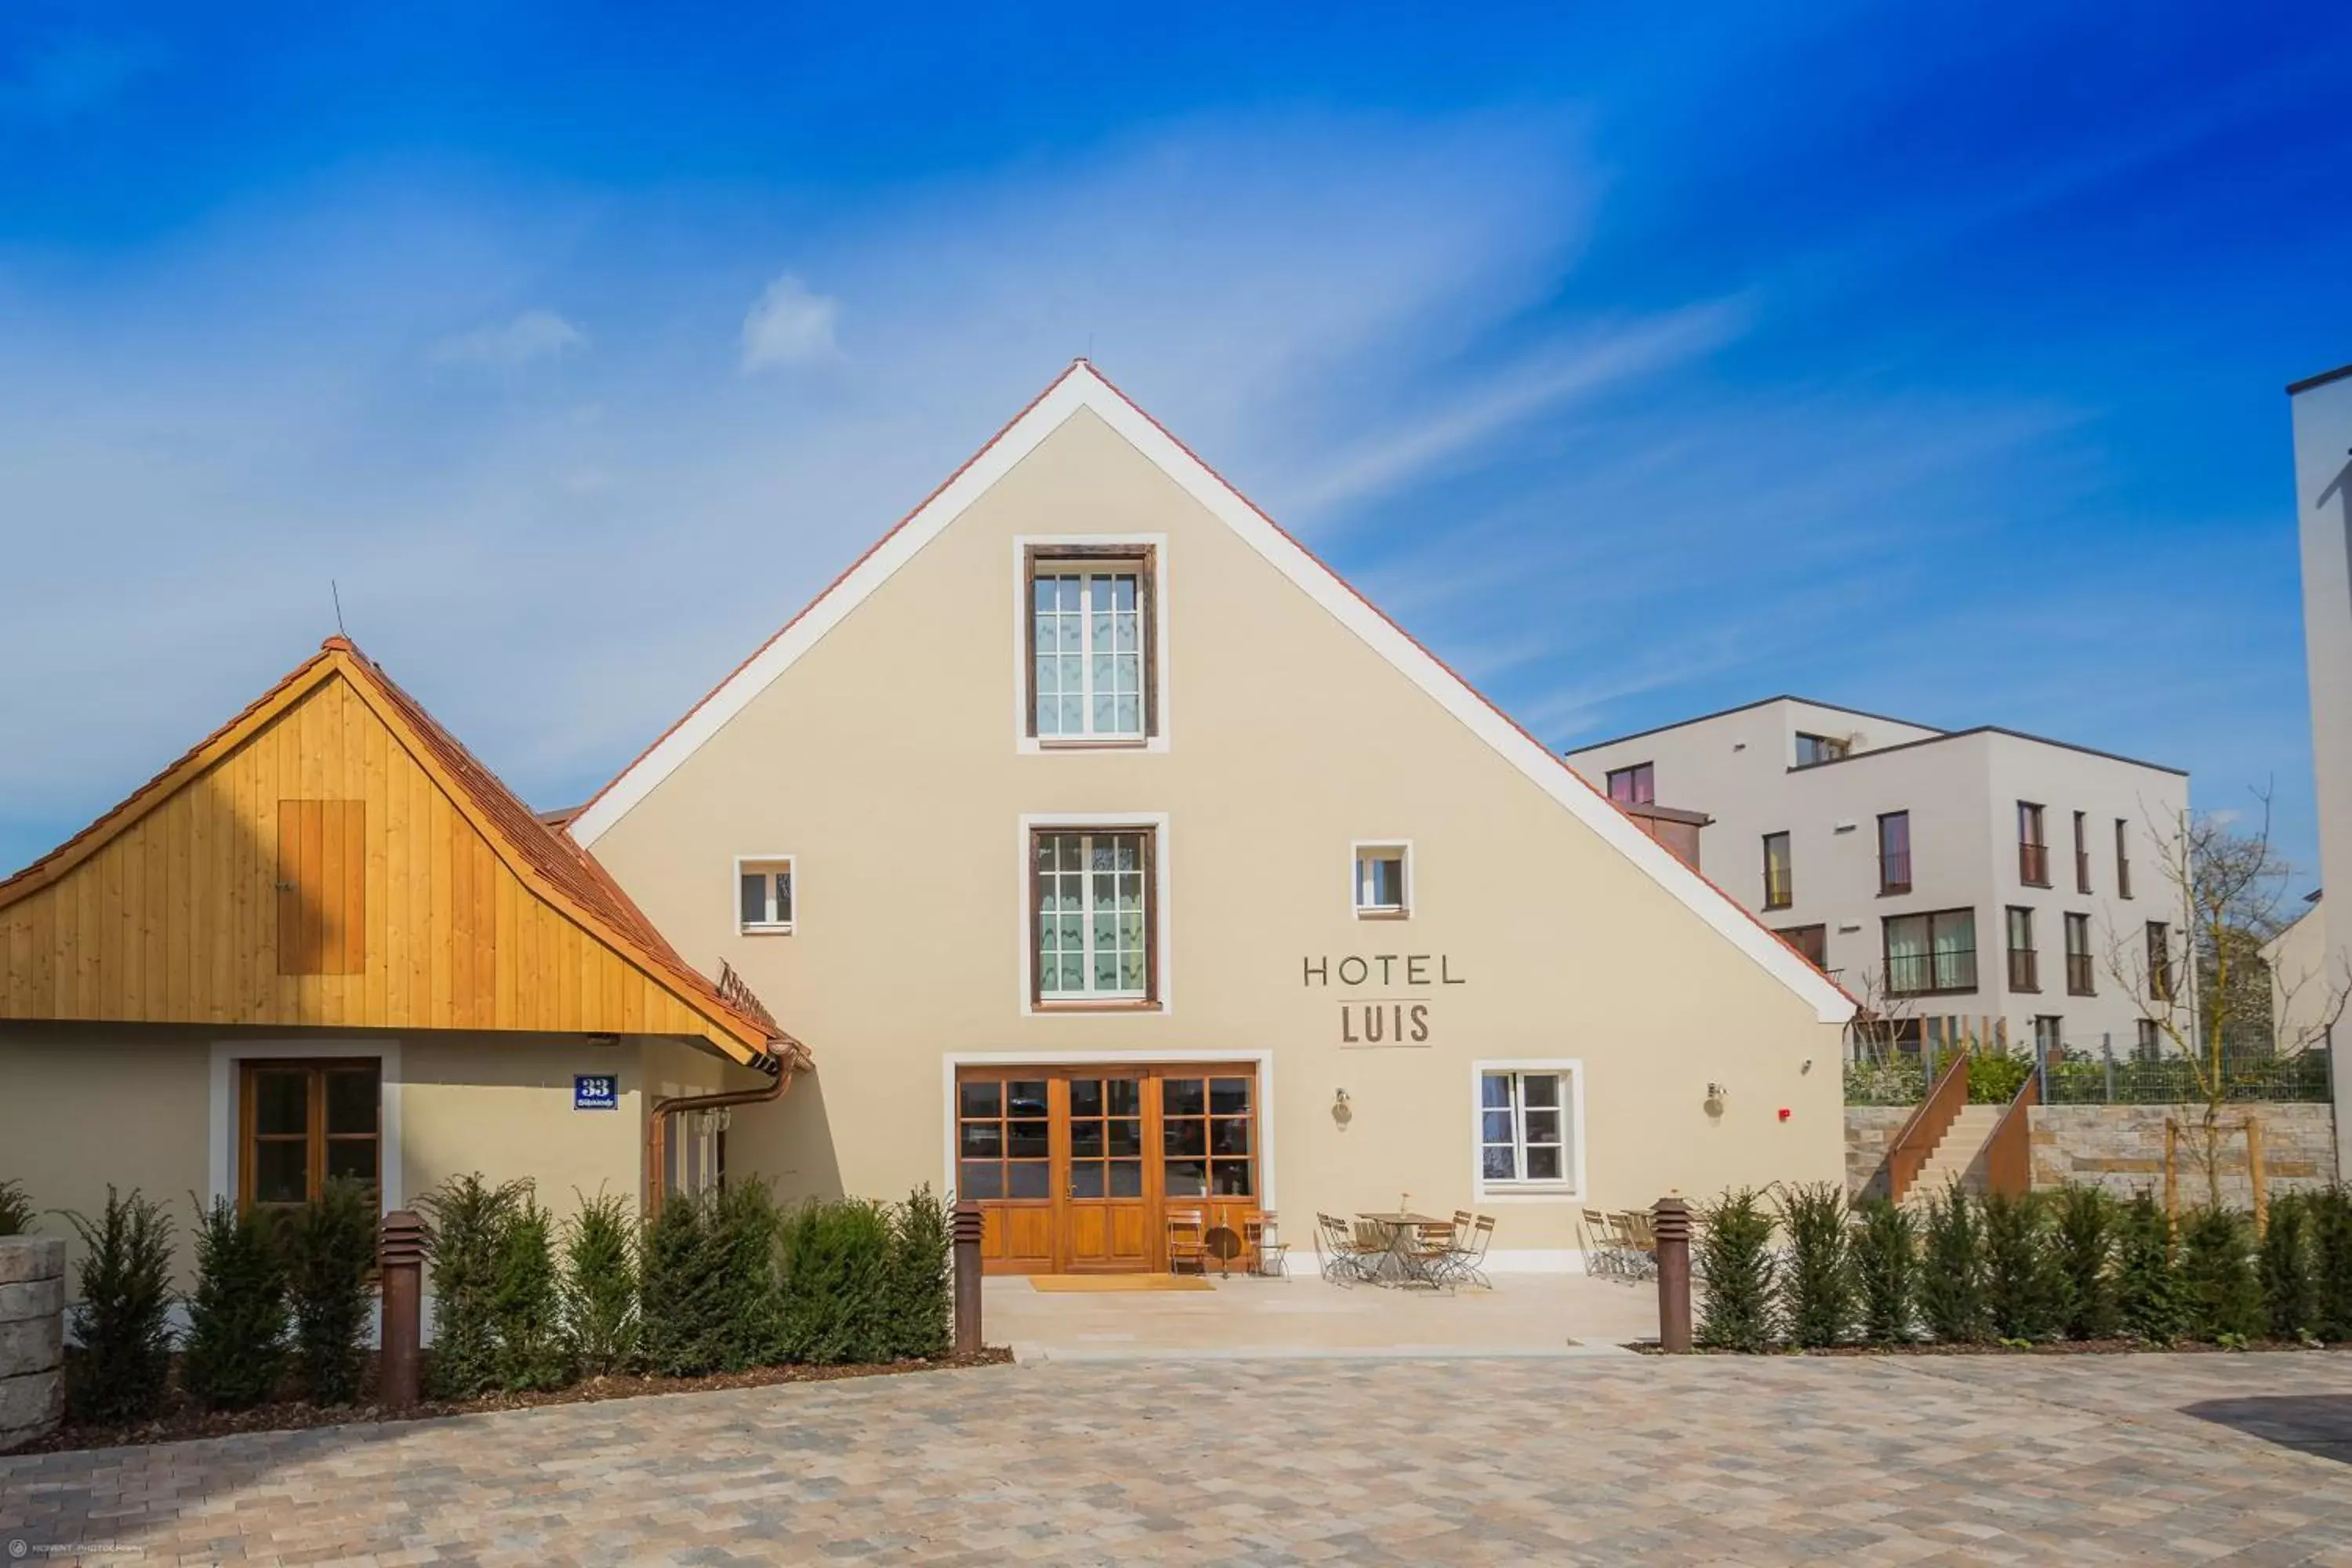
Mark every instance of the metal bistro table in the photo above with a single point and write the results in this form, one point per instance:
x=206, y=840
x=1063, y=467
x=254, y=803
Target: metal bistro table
x=1398, y=1265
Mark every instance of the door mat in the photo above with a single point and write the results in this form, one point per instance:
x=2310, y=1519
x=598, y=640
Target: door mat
x=1052, y=1283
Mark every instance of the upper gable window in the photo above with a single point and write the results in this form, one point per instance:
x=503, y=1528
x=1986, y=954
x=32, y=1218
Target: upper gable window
x=1092, y=662
x=1814, y=750
x=763, y=893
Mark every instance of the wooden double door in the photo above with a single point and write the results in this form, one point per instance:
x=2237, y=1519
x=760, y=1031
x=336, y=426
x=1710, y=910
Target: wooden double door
x=1077, y=1168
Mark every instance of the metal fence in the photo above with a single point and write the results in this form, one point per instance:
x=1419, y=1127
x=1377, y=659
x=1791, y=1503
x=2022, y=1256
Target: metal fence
x=2099, y=1077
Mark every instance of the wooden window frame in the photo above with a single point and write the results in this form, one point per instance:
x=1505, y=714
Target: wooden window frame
x=1151, y=1000
x=315, y=1134
x=1786, y=891
x=1145, y=557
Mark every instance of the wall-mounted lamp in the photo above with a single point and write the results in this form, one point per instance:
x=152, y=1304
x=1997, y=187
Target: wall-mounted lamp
x=1808, y=1065
x=603, y=1039
x=1714, y=1097
x=1339, y=1111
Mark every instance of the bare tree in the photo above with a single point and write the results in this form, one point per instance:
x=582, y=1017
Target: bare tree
x=2199, y=980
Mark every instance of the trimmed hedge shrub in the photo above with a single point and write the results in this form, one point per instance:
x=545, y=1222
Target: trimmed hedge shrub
x=2148, y=1301
x=330, y=1252
x=1817, y=1287
x=468, y=1219
x=2290, y=1297
x=123, y=1319
x=1885, y=1257
x=1737, y=1261
x=708, y=1296
x=2217, y=1274
x=836, y=1281
x=2331, y=1262
x=919, y=1297
x=238, y=1318
x=2022, y=1285
x=527, y=1302
x=600, y=1286
x=2084, y=1234
x=1951, y=1275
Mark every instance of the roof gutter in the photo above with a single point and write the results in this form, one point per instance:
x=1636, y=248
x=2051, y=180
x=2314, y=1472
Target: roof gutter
x=786, y=1059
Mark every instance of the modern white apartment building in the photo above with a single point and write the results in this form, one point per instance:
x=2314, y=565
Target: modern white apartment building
x=1938, y=875
x=2323, y=495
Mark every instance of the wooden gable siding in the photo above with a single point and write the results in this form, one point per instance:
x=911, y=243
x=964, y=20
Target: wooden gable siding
x=177, y=917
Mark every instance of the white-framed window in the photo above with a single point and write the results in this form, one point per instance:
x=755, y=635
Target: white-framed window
x=1092, y=652
x=763, y=893
x=1095, y=896
x=1530, y=1128
x=1383, y=881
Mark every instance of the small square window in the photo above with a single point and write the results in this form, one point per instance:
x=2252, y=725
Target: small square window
x=763, y=894
x=1383, y=882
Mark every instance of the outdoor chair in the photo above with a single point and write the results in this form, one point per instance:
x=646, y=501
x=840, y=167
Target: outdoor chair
x=1187, y=1243
x=1432, y=1253
x=1267, y=1250
x=1335, y=1252
x=1641, y=1243
x=1469, y=1264
x=1604, y=1251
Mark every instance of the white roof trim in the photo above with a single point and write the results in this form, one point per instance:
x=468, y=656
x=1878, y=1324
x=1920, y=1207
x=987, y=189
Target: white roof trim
x=1082, y=387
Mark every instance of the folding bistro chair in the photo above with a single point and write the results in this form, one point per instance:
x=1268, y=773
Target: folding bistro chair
x=1267, y=1250
x=1469, y=1264
x=1641, y=1243
x=1335, y=1251
x=1603, y=1257
x=1187, y=1244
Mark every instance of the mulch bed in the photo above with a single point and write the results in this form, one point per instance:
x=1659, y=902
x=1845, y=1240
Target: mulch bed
x=2056, y=1347
x=183, y=1419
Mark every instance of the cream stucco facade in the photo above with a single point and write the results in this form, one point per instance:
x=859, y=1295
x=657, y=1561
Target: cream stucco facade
x=880, y=744
x=155, y=1107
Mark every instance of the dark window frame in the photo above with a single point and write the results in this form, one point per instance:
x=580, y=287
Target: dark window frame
x=1642, y=780
x=2161, y=981
x=1812, y=943
x=2080, y=980
x=1893, y=865
x=1886, y=957
x=2123, y=858
x=1146, y=560
x=2081, y=852
x=2024, y=960
x=2032, y=846
x=1784, y=895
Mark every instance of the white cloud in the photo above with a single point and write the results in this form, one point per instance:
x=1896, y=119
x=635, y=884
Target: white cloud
x=532, y=336
x=789, y=324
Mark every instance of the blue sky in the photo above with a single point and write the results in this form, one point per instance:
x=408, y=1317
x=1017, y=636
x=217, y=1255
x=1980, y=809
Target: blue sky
x=1643, y=364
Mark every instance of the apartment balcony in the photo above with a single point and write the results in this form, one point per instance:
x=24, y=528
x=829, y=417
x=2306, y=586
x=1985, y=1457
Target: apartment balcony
x=1931, y=974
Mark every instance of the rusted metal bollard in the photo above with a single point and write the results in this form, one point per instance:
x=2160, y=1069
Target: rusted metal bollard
x=1670, y=1222
x=969, y=1224
x=400, y=1256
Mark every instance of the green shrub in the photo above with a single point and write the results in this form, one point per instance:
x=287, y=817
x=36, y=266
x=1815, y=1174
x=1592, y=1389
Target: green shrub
x=2331, y=1262
x=836, y=1283
x=2022, y=1283
x=2290, y=1300
x=709, y=1298
x=600, y=1286
x=468, y=1219
x=236, y=1319
x=16, y=1209
x=1737, y=1261
x=2217, y=1275
x=1816, y=1287
x=2083, y=1240
x=1952, y=1272
x=1885, y=1258
x=122, y=1321
x=1995, y=1076
x=920, y=1291
x=329, y=1249
x=527, y=1303
x=2150, y=1305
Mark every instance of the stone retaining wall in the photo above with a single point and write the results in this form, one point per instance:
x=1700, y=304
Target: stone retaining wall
x=1869, y=1129
x=32, y=1337
x=2121, y=1147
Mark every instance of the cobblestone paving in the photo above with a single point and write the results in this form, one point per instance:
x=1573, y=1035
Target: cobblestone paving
x=2123, y=1459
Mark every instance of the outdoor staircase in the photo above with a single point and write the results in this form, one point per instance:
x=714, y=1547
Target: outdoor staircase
x=1957, y=1153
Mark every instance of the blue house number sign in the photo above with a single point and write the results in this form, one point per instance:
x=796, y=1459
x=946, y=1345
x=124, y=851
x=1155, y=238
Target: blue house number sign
x=595, y=1091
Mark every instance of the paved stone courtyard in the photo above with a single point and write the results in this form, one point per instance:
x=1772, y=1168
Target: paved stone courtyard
x=2191, y=1458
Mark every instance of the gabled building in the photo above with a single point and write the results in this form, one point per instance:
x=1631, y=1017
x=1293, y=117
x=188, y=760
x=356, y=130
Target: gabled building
x=1125, y=860
x=329, y=942
x=1964, y=882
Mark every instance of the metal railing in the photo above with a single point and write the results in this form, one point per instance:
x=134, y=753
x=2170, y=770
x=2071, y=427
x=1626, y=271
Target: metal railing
x=2033, y=865
x=2078, y=974
x=2025, y=969
x=2072, y=1076
x=1924, y=973
x=1894, y=871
